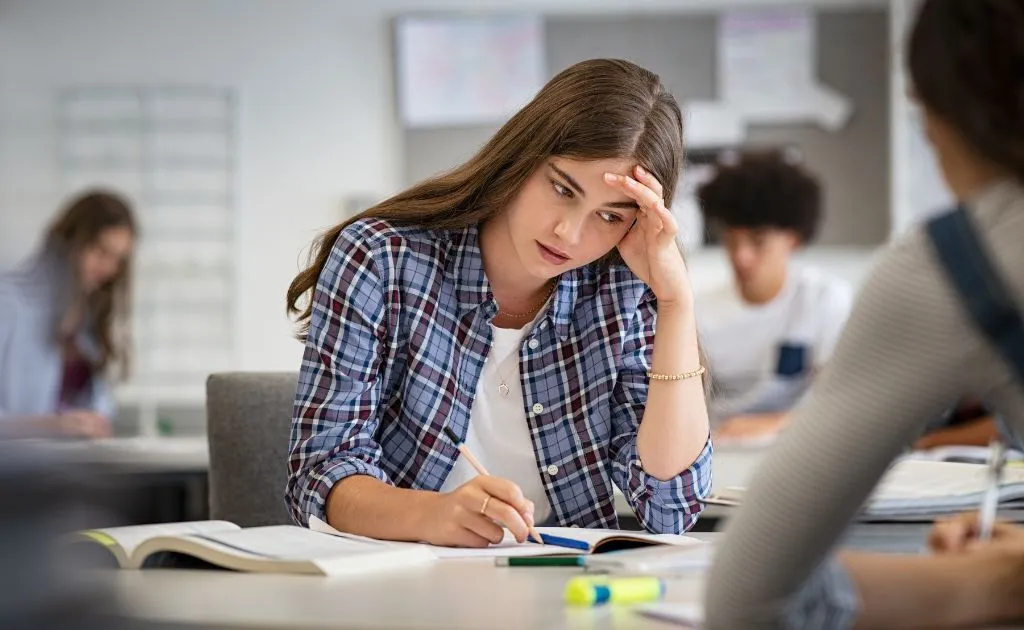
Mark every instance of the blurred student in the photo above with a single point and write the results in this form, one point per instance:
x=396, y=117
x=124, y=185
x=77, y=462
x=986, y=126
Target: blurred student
x=771, y=329
x=913, y=348
x=63, y=323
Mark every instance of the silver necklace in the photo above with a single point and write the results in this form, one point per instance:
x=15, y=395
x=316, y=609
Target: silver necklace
x=503, y=388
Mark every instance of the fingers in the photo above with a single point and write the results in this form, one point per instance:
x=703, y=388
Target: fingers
x=647, y=192
x=951, y=535
x=649, y=180
x=1005, y=529
x=529, y=513
x=465, y=536
x=508, y=516
x=960, y=532
x=644, y=178
x=503, y=490
x=93, y=426
x=644, y=196
x=1002, y=532
x=84, y=424
x=486, y=530
x=508, y=506
x=98, y=426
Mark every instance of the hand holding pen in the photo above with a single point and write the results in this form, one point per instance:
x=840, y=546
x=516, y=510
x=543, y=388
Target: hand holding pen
x=960, y=532
x=473, y=514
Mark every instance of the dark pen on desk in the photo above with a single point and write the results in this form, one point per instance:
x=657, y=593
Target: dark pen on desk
x=479, y=468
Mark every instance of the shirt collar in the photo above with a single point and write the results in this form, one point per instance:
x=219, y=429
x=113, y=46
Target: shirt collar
x=465, y=268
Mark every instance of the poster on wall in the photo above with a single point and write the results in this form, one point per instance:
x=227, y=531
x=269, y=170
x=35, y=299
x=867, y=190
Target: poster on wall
x=457, y=71
x=768, y=72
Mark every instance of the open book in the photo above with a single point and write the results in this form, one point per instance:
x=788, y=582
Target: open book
x=925, y=489
x=962, y=454
x=585, y=541
x=658, y=559
x=274, y=549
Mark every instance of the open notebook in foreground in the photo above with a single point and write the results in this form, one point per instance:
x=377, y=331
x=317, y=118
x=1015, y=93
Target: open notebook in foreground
x=273, y=549
x=598, y=541
x=320, y=550
x=924, y=488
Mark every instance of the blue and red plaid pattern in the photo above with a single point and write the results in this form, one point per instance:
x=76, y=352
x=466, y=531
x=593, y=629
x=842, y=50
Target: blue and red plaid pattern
x=399, y=333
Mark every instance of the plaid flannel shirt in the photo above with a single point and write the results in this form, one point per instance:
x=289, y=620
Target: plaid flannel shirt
x=399, y=333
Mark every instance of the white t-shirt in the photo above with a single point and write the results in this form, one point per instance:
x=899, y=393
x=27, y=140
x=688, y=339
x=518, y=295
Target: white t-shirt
x=498, y=434
x=762, y=357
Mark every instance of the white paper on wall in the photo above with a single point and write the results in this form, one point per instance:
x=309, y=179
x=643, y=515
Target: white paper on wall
x=767, y=69
x=467, y=70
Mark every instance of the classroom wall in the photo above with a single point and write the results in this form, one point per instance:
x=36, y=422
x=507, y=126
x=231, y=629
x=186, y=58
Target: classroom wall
x=852, y=56
x=316, y=120
x=317, y=115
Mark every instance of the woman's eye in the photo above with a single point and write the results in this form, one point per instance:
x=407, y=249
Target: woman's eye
x=610, y=217
x=562, y=191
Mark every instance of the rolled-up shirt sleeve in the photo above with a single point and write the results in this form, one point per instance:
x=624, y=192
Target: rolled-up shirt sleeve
x=336, y=412
x=671, y=506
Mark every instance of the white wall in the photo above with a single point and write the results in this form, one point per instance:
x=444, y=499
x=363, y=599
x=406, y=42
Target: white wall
x=918, y=189
x=317, y=121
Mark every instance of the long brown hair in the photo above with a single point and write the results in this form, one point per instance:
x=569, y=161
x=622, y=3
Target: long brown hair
x=107, y=308
x=597, y=109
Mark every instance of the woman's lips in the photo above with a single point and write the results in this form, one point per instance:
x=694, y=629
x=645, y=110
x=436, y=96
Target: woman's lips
x=552, y=255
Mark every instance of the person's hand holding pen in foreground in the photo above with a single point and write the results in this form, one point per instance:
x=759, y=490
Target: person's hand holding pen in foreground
x=960, y=533
x=996, y=561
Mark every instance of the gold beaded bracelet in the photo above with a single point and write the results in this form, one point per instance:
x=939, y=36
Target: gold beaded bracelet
x=654, y=376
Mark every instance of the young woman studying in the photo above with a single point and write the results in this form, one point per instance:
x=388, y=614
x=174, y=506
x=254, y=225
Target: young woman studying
x=63, y=322
x=533, y=301
x=912, y=349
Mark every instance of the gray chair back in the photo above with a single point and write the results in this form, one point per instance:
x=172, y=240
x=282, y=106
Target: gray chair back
x=249, y=417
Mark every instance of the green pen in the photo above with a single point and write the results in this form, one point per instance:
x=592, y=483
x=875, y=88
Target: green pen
x=540, y=561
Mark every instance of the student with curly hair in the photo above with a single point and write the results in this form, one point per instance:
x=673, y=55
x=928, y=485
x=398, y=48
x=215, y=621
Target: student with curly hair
x=771, y=329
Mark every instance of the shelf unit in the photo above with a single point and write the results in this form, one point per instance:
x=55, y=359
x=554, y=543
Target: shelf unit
x=173, y=151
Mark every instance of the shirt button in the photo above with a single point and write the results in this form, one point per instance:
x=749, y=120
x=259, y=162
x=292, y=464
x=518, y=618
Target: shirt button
x=533, y=344
x=538, y=408
x=552, y=470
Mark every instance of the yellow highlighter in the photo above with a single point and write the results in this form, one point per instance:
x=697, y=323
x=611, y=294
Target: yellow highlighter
x=590, y=591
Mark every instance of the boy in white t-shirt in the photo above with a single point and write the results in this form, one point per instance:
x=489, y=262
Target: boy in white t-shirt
x=767, y=332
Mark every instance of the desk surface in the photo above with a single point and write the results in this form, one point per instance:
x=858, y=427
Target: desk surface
x=449, y=594
x=157, y=454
